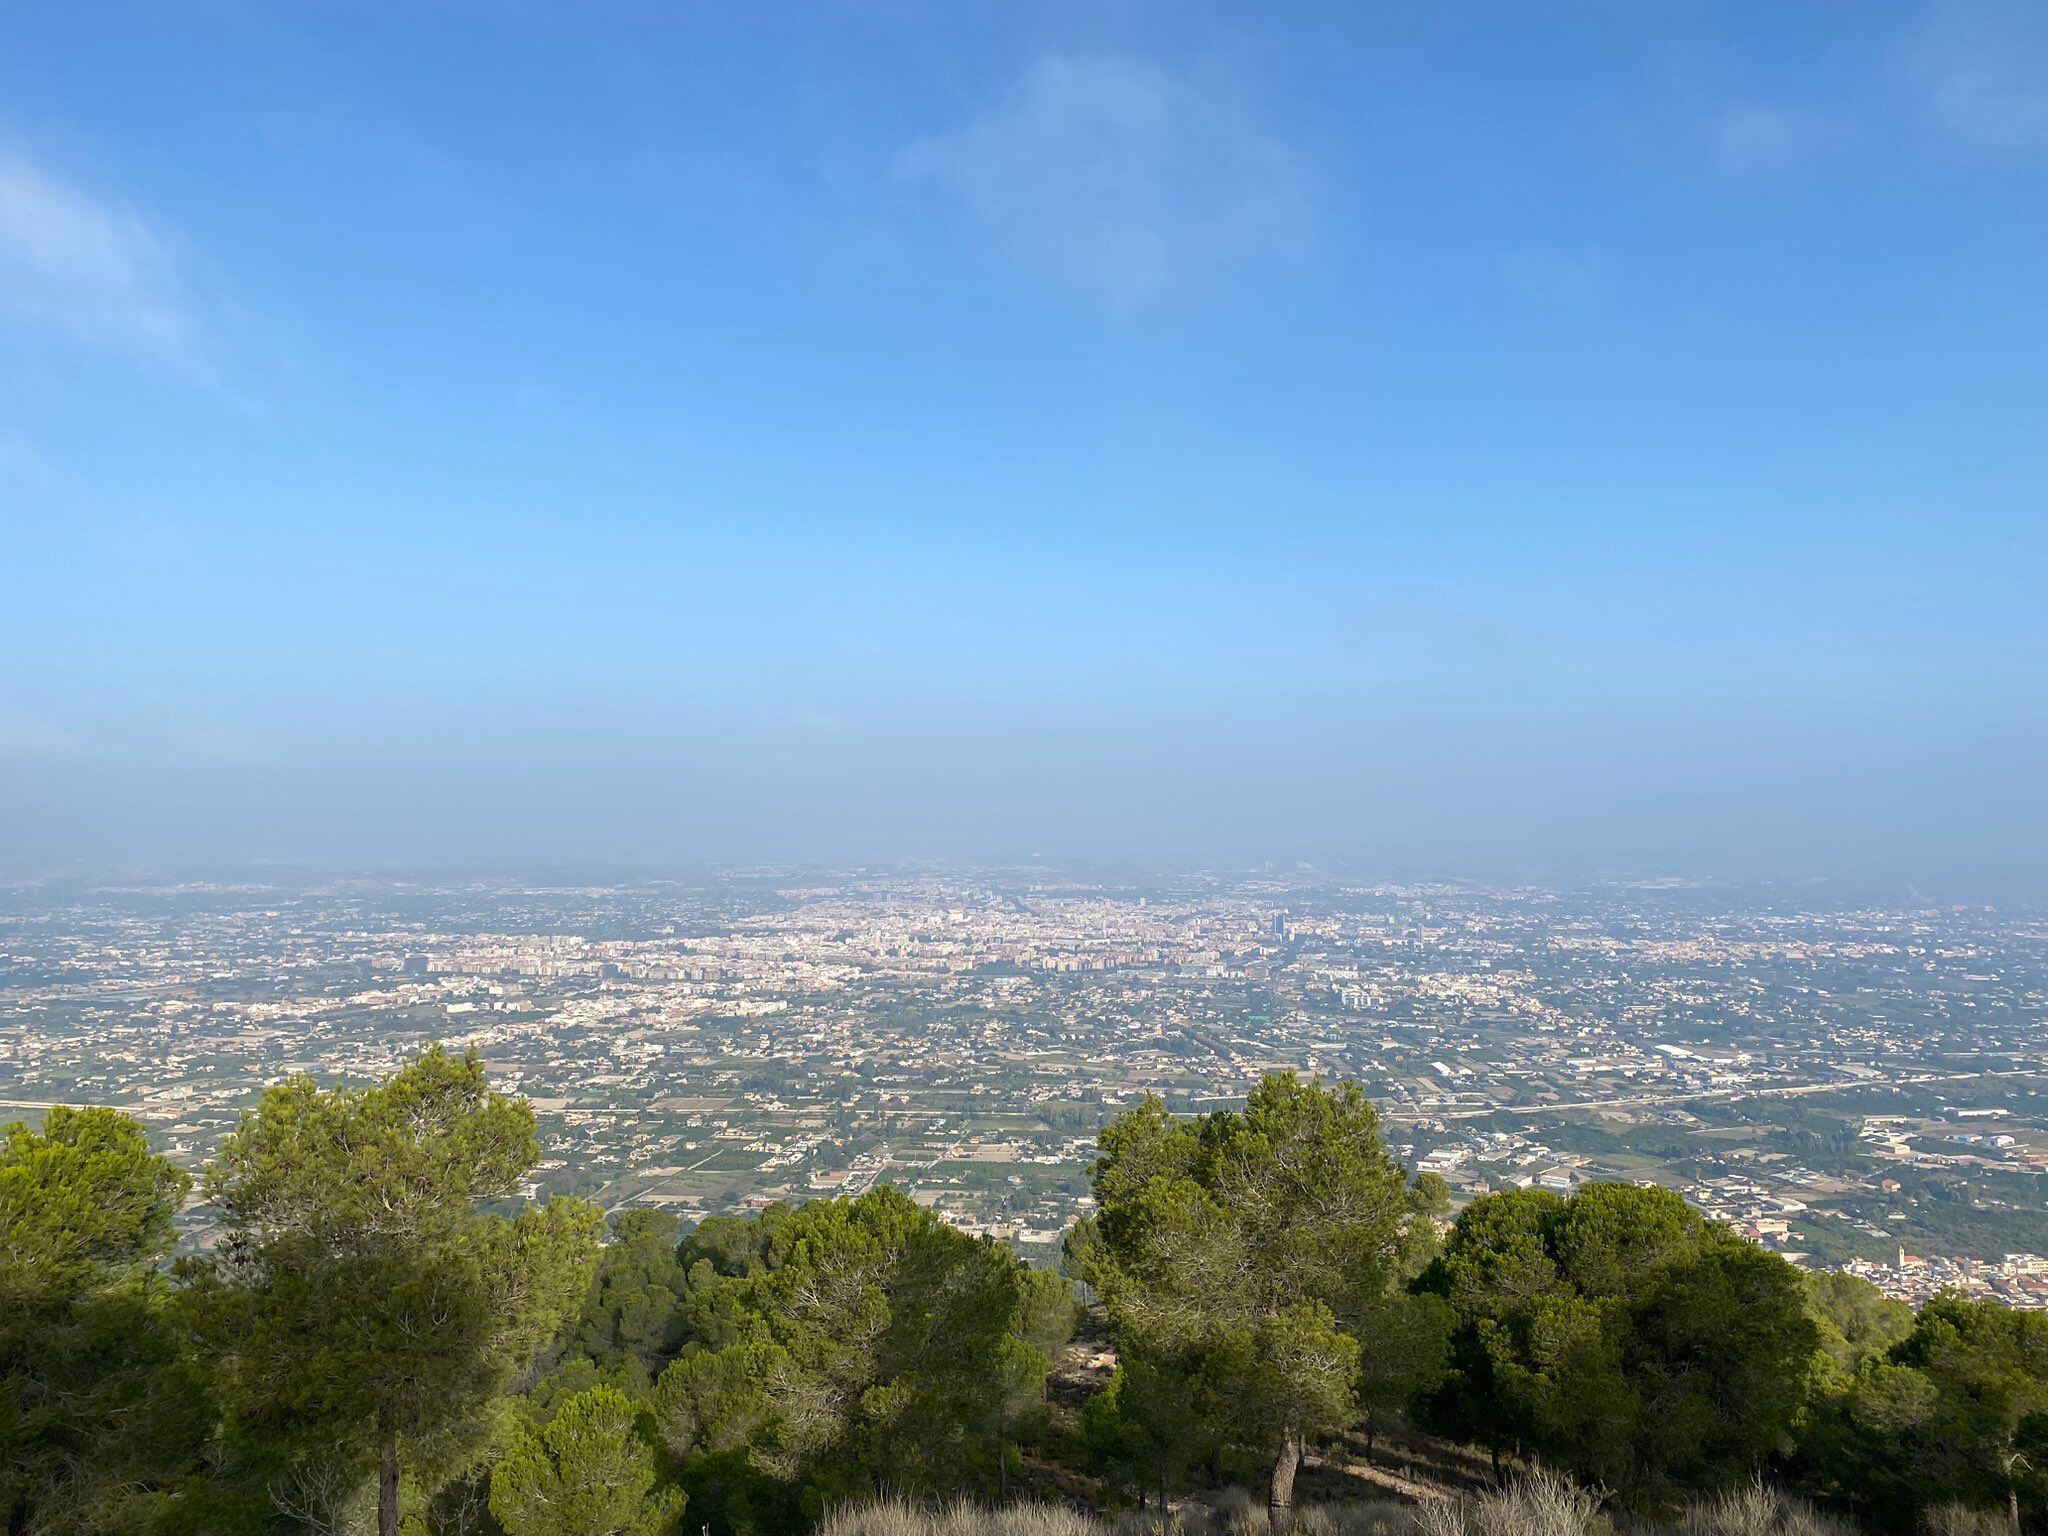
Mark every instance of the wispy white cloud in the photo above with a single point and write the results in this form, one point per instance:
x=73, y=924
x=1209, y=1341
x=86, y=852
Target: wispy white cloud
x=1749, y=136
x=1120, y=177
x=1982, y=66
x=90, y=267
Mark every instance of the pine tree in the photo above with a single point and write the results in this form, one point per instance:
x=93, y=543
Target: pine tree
x=1249, y=1244
x=364, y=1303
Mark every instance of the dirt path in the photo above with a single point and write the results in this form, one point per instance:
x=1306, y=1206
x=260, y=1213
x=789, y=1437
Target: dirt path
x=1412, y=1489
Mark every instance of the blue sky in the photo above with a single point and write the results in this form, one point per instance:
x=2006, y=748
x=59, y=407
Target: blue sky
x=1467, y=435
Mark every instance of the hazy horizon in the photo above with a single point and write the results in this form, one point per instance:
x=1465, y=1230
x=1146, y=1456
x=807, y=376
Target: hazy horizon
x=1463, y=442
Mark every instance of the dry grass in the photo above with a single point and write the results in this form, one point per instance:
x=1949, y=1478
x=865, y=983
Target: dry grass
x=1538, y=1504
x=895, y=1517
x=1240, y=1512
x=1230, y=1512
x=1367, y=1517
x=1757, y=1509
x=1961, y=1520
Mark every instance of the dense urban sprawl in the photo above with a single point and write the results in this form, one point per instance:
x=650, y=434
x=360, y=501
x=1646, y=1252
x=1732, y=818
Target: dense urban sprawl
x=1854, y=1084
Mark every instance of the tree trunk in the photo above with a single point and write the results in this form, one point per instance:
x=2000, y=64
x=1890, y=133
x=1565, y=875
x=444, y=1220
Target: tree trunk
x=1165, y=1509
x=387, y=1487
x=1280, y=1496
x=2012, y=1507
x=1371, y=1429
x=1003, y=1471
x=1493, y=1449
